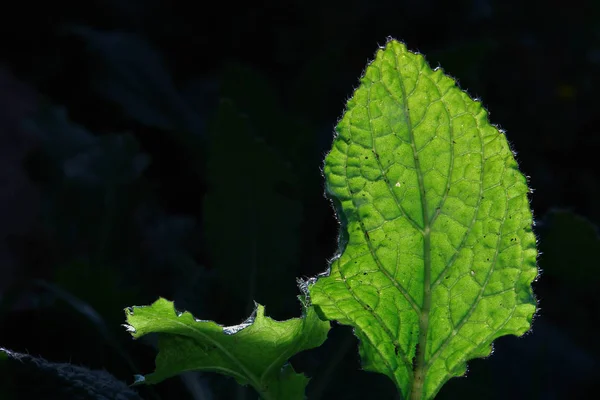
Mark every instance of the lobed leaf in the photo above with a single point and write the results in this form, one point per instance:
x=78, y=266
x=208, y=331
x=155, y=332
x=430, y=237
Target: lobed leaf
x=254, y=353
x=437, y=253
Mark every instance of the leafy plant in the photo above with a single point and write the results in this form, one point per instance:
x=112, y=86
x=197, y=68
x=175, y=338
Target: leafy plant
x=254, y=352
x=436, y=255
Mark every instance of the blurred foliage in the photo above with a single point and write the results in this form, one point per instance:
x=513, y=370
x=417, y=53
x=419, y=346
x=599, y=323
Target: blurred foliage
x=58, y=380
x=141, y=107
x=248, y=207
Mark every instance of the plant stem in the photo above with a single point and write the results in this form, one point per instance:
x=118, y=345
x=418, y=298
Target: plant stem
x=420, y=367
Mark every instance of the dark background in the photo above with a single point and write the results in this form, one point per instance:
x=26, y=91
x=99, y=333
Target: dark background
x=152, y=148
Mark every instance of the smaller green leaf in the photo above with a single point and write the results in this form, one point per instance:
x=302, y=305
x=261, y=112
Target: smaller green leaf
x=254, y=353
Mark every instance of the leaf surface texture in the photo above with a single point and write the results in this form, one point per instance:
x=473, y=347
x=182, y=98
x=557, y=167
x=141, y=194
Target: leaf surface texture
x=254, y=353
x=437, y=253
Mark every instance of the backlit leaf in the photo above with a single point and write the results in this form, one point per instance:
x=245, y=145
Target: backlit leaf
x=254, y=353
x=437, y=253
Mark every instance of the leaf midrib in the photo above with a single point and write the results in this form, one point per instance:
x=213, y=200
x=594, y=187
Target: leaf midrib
x=416, y=391
x=421, y=365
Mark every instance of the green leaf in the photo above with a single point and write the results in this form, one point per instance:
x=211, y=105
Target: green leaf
x=254, y=353
x=437, y=253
